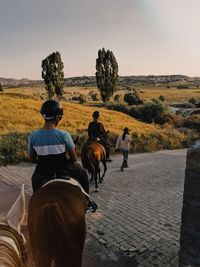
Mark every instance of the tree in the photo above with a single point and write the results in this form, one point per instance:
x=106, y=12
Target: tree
x=53, y=75
x=1, y=88
x=106, y=74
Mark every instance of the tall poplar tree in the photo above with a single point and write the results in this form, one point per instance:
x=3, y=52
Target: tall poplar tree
x=106, y=74
x=53, y=75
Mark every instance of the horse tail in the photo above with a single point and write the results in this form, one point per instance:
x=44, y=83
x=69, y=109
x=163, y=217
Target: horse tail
x=56, y=234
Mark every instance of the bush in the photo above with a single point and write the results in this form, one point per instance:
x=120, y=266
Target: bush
x=192, y=100
x=13, y=147
x=95, y=97
x=133, y=98
x=151, y=110
x=162, y=98
x=82, y=99
x=117, y=98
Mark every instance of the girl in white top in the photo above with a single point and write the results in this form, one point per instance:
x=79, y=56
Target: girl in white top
x=123, y=143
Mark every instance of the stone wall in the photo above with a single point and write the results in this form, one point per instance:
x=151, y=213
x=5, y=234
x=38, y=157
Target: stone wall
x=189, y=254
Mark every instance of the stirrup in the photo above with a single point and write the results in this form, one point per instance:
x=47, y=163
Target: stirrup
x=92, y=206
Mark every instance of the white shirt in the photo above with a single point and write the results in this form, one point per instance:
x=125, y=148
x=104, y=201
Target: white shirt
x=123, y=144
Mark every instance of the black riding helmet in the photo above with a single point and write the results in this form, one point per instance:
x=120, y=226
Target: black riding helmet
x=51, y=110
x=96, y=114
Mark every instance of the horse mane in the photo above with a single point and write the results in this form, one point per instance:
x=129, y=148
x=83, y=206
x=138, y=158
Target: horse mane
x=53, y=229
x=51, y=220
x=8, y=255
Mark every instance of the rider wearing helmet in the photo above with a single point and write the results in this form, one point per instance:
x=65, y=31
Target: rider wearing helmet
x=54, y=151
x=97, y=132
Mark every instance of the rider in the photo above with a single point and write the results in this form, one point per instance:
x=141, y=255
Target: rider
x=97, y=132
x=54, y=151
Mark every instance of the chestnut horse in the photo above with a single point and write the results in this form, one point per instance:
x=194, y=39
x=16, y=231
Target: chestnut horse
x=12, y=242
x=91, y=155
x=56, y=223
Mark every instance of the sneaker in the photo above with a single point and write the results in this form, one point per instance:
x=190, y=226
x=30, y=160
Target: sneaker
x=92, y=206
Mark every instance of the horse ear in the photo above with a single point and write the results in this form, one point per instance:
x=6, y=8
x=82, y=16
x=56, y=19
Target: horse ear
x=16, y=214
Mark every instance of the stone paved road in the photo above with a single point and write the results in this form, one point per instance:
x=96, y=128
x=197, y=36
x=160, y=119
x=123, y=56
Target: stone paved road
x=139, y=209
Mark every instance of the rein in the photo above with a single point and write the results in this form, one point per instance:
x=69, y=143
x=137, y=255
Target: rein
x=7, y=231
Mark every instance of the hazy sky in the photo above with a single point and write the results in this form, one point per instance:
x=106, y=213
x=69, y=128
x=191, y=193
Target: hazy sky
x=146, y=36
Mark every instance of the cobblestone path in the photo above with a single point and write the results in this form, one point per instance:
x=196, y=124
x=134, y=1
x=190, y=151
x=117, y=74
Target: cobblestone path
x=139, y=209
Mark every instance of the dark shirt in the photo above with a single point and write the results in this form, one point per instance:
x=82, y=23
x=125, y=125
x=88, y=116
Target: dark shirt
x=96, y=130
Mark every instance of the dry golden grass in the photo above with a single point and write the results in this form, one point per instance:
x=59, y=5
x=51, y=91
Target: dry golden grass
x=171, y=94
x=18, y=114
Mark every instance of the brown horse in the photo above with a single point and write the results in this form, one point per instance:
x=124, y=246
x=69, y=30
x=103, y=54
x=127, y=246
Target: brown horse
x=56, y=223
x=91, y=155
x=12, y=242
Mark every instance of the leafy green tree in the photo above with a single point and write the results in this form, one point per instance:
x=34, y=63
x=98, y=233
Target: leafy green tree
x=106, y=74
x=53, y=75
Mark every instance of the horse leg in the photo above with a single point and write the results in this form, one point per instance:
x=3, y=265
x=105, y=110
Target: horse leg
x=96, y=183
x=105, y=169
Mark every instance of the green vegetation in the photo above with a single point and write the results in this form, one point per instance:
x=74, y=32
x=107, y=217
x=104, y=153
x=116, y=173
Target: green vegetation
x=53, y=75
x=106, y=74
x=133, y=98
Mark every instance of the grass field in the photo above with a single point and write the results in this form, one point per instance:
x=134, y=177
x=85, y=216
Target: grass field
x=19, y=109
x=171, y=94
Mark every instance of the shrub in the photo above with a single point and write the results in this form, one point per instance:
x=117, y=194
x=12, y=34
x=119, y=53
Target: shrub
x=152, y=109
x=133, y=98
x=95, y=97
x=13, y=147
x=192, y=100
x=117, y=97
x=82, y=99
x=162, y=98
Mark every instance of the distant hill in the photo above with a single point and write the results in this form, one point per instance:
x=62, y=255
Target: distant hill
x=123, y=81
x=18, y=82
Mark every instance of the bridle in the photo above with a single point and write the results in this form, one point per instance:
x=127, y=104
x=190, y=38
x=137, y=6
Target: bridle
x=9, y=232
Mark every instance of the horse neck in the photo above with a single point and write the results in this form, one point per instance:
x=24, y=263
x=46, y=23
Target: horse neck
x=11, y=254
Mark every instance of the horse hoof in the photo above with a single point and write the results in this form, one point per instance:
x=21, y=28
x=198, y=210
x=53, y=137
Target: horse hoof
x=100, y=180
x=96, y=189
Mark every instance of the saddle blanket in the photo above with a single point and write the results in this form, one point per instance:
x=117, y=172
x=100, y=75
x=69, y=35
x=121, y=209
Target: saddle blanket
x=69, y=181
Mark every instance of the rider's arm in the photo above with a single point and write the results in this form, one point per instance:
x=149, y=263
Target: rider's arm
x=72, y=155
x=31, y=152
x=33, y=157
x=70, y=148
x=90, y=130
x=103, y=131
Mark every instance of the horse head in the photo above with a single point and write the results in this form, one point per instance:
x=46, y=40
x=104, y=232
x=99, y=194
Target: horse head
x=12, y=242
x=56, y=224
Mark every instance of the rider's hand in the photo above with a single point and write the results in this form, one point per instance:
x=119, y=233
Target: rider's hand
x=98, y=139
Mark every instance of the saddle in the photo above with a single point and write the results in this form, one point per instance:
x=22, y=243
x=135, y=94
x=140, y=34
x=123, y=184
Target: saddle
x=55, y=174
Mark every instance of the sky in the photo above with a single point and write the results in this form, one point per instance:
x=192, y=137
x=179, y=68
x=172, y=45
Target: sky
x=147, y=37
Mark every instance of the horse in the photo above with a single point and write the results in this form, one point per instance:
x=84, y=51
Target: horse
x=12, y=242
x=56, y=224
x=91, y=155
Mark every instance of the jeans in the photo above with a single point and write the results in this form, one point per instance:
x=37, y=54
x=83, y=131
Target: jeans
x=125, y=158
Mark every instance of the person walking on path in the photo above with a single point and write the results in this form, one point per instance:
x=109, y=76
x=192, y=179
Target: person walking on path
x=123, y=143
